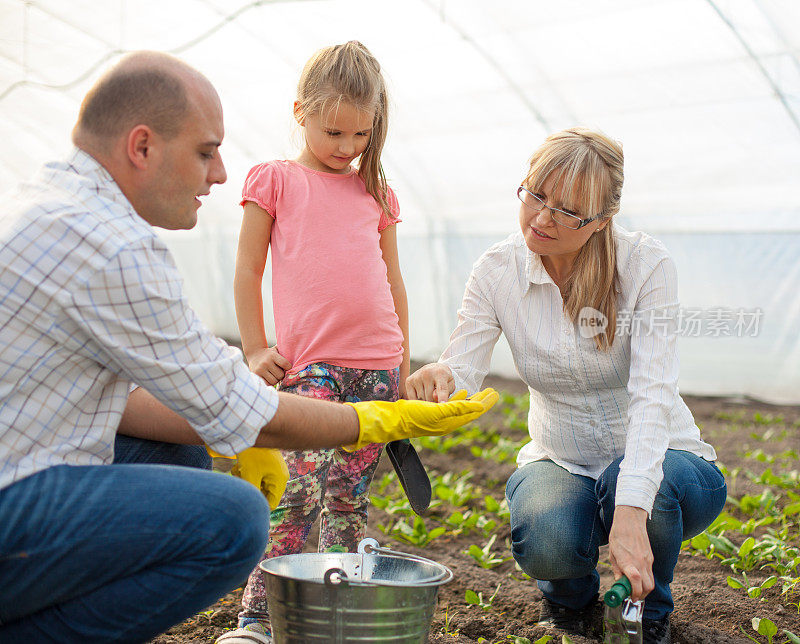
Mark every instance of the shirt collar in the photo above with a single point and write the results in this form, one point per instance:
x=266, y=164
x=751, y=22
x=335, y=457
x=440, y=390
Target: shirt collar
x=535, y=270
x=91, y=170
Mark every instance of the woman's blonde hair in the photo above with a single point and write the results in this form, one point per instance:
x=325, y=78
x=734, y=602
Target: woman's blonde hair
x=350, y=73
x=587, y=168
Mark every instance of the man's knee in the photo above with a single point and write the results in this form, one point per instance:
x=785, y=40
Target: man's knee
x=242, y=523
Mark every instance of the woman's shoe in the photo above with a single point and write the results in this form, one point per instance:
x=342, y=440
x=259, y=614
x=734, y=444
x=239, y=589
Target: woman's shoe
x=572, y=620
x=656, y=631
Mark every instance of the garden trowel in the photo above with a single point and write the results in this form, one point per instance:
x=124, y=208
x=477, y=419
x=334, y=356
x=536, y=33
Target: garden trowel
x=412, y=474
x=622, y=618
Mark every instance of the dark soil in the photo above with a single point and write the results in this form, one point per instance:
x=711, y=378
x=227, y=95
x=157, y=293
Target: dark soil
x=707, y=610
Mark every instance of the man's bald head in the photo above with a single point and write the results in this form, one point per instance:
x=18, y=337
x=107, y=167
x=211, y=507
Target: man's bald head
x=144, y=88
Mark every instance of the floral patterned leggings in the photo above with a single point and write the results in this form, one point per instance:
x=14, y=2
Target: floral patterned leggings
x=330, y=482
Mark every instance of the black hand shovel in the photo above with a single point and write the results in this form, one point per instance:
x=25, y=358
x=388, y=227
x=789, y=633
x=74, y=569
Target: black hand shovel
x=412, y=474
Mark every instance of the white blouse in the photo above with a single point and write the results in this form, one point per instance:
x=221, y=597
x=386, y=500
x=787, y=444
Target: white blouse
x=587, y=407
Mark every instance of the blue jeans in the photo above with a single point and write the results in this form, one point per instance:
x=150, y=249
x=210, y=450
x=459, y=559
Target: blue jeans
x=119, y=553
x=138, y=451
x=559, y=520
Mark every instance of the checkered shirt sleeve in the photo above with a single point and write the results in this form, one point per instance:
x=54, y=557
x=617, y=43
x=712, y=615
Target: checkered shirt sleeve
x=90, y=302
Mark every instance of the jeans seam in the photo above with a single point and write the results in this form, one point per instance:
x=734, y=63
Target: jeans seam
x=594, y=523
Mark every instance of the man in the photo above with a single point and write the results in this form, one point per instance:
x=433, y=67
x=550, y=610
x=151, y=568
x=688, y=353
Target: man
x=91, y=302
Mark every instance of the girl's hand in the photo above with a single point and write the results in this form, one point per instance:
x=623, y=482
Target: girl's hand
x=269, y=364
x=434, y=382
x=629, y=549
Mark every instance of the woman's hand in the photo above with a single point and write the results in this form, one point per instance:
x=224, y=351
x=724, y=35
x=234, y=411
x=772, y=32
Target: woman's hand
x=629, y=550
x=434, y=382
x=269, y=364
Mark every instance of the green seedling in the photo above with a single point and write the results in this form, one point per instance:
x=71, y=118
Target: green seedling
x=444, y=444
x=788, y=456
x=487, y=526
x=762, y=626
x=447, y=619
x=461, y=522
x=524, y=640
x=484, y=556
x=730, y=475
x=735, y=417
x=785, y=480
x=712, y=545
x=751, y=504
x=753, y=591
x=544, y=639
x=504, y=450
x=519, y=574
x=456, y=490
x=416, y=533
x=750, y=526
x=471, y=597
x=745, y=558
x=386, y=480
x=493, y=506
x=768, y=419
x=515, y=409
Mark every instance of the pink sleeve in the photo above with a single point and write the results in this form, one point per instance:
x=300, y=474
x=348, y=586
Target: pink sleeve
x=261, y=187
x=394, y=208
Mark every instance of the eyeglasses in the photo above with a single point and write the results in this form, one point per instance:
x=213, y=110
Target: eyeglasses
x=561, y=217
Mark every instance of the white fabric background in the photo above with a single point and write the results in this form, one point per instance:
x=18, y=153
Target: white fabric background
x=704, y=95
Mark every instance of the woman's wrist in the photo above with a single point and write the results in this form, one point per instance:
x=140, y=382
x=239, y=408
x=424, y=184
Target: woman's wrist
x=631, y=513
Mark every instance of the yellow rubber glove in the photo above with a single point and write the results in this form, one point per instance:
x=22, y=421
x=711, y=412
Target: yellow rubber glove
x=263, y=467
x=381, y=422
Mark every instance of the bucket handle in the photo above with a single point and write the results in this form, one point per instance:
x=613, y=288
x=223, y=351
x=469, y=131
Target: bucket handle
x=370, y=545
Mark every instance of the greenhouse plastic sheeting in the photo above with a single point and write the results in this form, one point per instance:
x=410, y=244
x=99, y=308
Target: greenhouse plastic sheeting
x=704, y=95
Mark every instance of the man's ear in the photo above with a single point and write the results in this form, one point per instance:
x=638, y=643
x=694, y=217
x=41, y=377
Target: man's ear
x=298, y=114
x=139, y=146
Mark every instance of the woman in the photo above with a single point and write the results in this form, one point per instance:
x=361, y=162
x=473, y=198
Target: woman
x=589, y=310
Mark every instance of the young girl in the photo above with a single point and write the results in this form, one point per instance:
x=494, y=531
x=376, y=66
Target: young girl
x=340, y=305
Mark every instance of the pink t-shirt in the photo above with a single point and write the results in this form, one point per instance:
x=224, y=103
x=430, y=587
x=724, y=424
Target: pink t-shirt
x=330, y=289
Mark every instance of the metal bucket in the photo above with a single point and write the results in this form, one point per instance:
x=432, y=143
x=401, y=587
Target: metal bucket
x=375, y=595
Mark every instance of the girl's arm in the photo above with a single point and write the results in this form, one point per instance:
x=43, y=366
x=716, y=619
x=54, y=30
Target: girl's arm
x=398, y=288
x=251, y=257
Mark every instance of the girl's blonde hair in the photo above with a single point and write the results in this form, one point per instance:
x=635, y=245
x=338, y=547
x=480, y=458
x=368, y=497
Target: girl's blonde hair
x=350, y=73
x=587, y=167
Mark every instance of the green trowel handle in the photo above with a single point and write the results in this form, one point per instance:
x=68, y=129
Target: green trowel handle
x=618, y=592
